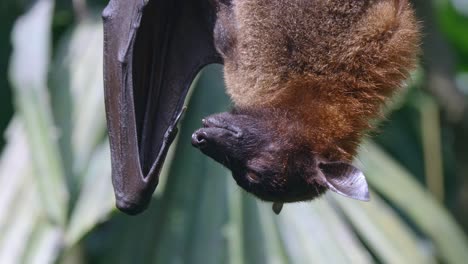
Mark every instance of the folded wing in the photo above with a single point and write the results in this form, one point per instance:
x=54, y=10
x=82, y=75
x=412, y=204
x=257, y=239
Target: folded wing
x=153, y=50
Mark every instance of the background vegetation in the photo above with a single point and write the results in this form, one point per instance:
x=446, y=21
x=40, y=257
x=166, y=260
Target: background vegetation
x=56, y=201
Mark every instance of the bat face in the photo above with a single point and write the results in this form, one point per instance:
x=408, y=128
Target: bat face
x=273, y=167
x=256, y=156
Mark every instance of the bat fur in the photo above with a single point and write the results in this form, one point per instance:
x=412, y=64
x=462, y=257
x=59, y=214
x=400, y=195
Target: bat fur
x=306, y=79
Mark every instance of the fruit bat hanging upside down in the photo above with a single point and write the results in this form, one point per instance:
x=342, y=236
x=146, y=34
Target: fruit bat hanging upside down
x=306, y=78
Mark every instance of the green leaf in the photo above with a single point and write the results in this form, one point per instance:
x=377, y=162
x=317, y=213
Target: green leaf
x=96, y=198
x=77, y=97
x=314, y=232
x=14, y=156
x=28, y=73
x=45, y=243
x=384, y=232
x=26, y=234
x=400, y=188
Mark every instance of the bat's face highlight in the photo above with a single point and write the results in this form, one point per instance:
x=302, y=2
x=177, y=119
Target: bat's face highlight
x=262, y=162
x=273, y=165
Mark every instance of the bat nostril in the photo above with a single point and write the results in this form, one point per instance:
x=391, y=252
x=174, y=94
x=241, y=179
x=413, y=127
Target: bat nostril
x=199, y=139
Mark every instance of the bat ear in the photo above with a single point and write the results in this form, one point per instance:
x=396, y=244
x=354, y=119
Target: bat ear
x=345, y=179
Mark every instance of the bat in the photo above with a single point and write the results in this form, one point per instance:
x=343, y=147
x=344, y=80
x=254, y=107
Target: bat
x=306, y=78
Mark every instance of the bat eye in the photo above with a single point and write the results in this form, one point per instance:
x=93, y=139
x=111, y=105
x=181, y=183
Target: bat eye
x=199, y=139
x=252, y=177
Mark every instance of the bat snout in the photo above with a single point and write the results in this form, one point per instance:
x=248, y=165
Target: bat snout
x=217, y=143
x=214, y=137
x=199, y=139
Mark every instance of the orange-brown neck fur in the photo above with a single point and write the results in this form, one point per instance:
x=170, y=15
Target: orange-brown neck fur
x=327, y=64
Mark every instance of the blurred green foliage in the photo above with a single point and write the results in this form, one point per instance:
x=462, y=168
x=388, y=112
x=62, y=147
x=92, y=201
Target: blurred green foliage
x=9, y=11
x=56, y=203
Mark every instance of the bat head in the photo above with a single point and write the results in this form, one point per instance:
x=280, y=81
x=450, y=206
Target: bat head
x=274, y=165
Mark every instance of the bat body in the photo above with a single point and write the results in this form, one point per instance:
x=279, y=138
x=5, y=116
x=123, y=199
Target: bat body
x=306, y=77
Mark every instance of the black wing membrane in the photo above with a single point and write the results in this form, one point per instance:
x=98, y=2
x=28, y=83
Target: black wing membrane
x=153, y=50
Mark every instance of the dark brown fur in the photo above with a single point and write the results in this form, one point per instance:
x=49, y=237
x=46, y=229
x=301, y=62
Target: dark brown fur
x=306, y=78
